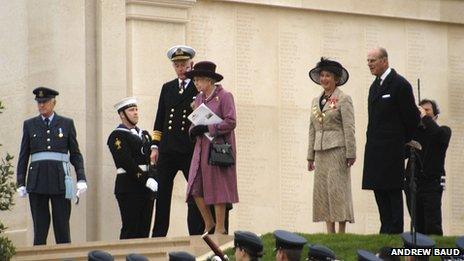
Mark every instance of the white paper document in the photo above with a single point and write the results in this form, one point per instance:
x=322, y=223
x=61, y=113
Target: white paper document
x=204, y=116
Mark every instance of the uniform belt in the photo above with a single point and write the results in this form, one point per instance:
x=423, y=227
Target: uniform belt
x=144, y=168
x=48, y=155
x=64, y=158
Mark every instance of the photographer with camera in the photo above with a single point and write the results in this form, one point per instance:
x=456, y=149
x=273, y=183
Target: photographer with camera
x=429, y=169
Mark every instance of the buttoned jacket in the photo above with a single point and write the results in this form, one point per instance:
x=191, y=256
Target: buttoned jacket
x=333, y=126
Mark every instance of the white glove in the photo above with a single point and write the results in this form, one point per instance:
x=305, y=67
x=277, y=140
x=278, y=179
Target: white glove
x=81, y=187
x=22, y=191
x=152, y=184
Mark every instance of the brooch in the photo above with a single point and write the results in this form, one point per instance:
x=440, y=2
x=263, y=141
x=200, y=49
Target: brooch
x=333, y=103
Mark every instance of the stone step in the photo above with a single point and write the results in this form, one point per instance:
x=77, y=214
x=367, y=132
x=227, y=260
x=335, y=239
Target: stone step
x=153, y=248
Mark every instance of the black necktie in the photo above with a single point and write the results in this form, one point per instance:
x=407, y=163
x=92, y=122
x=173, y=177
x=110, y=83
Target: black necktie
x=47, y=121
x=377, y=81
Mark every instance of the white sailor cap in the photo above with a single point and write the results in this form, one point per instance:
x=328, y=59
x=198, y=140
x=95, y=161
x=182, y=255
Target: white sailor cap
x=125, y=103
x=180, y=52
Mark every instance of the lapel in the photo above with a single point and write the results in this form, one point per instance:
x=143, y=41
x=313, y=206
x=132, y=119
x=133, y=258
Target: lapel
x=39, y=122
x=56, y=120
x=375, y=94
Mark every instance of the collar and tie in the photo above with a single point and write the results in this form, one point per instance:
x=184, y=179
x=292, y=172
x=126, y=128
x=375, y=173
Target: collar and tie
x=47, y=121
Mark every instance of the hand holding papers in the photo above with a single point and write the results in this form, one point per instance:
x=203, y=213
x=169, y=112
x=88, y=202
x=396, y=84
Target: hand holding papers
x=204, y=116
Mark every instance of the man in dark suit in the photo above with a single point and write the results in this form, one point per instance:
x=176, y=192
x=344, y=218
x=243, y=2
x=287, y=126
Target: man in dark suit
x=393, y=118
x=50, y=141
x=429, y=170
x=174, y=148
x=135, y=181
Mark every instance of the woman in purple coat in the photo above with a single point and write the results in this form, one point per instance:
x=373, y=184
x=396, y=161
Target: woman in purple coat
x=208, y=184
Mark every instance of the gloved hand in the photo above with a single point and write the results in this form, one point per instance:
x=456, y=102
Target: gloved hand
x=198, y=130
x=152, y=184
x=22, y=192
x=81, y=187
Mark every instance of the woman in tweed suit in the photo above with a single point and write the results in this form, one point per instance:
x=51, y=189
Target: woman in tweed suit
x=332, y=146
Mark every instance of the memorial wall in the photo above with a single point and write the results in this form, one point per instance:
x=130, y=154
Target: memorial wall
x=96, y=52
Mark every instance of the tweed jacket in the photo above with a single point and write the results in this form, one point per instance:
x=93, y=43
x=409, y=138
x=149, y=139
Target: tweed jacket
x=333, y=126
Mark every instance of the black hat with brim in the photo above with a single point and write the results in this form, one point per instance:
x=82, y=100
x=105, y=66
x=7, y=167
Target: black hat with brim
x=136, y=257
x=460, y=243
x=249, y=241
x=204, y=69
x=98, y=255
x=422, y=241
x=288, y=240
x=320, y=252
x=181, y=256
x=43, y=94
x=330, y=66
x=364, y=255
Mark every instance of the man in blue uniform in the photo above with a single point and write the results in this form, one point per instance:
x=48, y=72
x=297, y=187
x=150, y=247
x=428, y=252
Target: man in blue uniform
x=50, y=141
x=135, y=180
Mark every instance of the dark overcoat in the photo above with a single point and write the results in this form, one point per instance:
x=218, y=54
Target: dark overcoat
x=393, y=118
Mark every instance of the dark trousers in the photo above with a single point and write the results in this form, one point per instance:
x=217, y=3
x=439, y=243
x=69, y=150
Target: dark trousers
x=61, y=211
x=390, y=204
x=136, y=210
x=428, y=211
x=168, y=166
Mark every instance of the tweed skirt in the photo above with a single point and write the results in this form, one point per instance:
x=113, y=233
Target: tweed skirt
x=332, y=199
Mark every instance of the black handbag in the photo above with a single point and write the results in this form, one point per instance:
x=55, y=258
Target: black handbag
x=221, y=154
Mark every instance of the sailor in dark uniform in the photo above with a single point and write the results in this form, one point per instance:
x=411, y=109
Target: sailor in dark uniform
x=50, y=142
x=135, y=180
x=173, y=146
